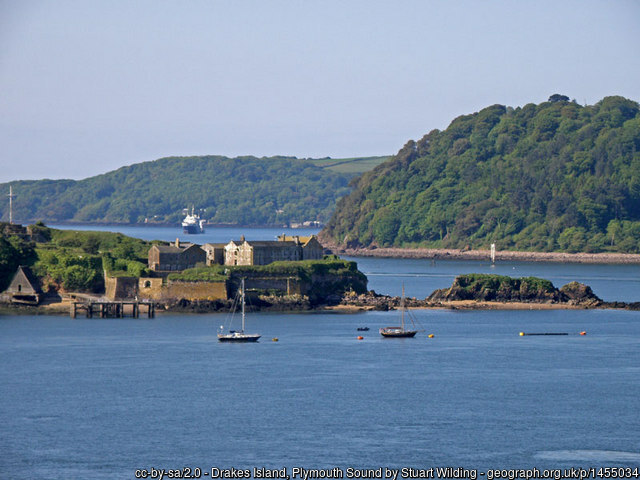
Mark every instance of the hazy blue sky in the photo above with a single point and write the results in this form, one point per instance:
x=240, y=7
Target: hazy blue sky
x=89, y=86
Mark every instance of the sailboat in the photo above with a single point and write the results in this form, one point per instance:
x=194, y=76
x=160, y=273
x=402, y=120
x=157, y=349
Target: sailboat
x=401, y=331
x=238, y=336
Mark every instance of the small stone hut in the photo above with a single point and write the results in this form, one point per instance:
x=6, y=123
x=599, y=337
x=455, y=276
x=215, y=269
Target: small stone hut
x=24, y=287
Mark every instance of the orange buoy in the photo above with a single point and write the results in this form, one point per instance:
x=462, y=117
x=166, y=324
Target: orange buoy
x=360, y=337
x=583, y=333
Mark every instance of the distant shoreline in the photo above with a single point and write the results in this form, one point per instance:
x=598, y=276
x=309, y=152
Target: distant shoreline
x=176, y=225
x=485, y=255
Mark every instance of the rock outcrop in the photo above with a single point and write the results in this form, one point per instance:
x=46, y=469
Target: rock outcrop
x=497, y=288
x=576, y=293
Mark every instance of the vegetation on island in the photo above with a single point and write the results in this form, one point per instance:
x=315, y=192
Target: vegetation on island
x=77, y=261
x=556, y=176
x=243, y=191
x=73, y=260
x=319, y=278
x=500, y=288
x=14, y=251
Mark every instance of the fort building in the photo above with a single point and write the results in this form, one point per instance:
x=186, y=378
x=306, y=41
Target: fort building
x=215, y=253
x=175, y=257
x=312, y=249
x=263, y=252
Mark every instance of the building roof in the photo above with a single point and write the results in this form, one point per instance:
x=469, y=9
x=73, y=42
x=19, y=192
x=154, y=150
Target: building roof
x=173, y=249
x=293, y=238
x=289, y=238
x=169, y=249
x=271, y=243
x=24, y=273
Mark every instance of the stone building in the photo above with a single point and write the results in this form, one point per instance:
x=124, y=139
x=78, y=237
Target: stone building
x=24, y=288
x=176, y=257
x=215, y=253
x=261, y=252
x=312, y=249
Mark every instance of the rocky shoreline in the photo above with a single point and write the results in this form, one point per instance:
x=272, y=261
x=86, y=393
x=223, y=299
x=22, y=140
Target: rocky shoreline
x=468, y=292
x=371, y=301
x=360, y=303
x=485, y=255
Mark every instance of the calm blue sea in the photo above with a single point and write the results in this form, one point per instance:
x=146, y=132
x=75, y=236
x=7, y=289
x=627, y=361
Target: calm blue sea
x=100, y=399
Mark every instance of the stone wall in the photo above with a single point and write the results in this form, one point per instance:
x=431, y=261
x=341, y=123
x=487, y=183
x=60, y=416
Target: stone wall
x=150, y=288
x=285, y=286
x=189, y=291
x=121, y=288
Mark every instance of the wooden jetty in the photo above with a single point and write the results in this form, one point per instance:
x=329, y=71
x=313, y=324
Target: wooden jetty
x=112, y=309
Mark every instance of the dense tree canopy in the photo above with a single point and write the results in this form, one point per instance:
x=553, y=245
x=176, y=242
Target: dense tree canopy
x=14, y=251
x=551, y=177
x=246, y=191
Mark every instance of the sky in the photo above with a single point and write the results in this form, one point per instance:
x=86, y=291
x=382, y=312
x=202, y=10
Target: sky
x=90, y=86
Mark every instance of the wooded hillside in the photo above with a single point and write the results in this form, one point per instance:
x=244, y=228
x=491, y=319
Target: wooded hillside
x=246, y=191
x=556, y=176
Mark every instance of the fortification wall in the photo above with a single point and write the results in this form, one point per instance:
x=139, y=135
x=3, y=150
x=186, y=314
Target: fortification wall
x=120, y=288
x=186, y=290
x=287, y=286
x=150, y=288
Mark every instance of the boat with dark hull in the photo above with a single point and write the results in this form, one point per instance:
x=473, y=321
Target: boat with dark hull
x=400, y=331
x=234, y=335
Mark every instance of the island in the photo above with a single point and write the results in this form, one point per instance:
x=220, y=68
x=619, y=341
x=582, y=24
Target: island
x=46, y=270
x=49, y=269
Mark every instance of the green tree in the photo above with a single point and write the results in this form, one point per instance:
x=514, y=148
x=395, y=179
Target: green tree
x=14, y=252
x=542, y=177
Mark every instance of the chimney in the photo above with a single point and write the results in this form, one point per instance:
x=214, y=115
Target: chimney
x=177, y=243
x=242, y=238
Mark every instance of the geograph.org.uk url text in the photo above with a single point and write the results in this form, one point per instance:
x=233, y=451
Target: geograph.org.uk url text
x=562, y=473
x=407, y=473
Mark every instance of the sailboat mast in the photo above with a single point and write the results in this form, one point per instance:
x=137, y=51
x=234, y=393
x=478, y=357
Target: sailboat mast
x=402, y=306
x=243, y=304
x=11, y=196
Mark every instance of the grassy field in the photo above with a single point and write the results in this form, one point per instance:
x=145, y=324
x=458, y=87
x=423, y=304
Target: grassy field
x=349, y=165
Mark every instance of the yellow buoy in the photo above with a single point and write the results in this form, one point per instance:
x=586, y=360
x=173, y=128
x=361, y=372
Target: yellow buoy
x=431, y=335
x=274, y=339
x=522, y=334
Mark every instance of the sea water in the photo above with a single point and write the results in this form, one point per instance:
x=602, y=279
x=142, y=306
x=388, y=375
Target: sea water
x=102, y=399
x=125, y=398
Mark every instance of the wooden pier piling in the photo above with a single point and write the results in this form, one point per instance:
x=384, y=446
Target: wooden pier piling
x=112, y=309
